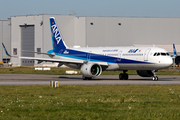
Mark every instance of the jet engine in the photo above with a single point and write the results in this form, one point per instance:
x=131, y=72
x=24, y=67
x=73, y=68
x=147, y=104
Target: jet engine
x=145, y=73
x=91, y=70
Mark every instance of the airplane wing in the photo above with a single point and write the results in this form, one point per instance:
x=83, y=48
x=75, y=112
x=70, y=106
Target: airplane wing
x=63, y=60
x=53, y=60
x=51, y=55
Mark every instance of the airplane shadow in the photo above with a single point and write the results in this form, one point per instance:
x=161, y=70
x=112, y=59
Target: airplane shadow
x=112, y=79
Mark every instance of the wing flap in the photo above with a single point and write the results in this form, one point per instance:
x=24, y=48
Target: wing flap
x=38, y=53
x=54, y=60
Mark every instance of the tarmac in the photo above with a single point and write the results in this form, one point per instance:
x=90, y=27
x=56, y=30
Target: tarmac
x=34, y=79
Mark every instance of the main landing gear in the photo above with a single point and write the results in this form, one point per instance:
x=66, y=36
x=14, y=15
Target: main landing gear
x=155, y=77
x=124, y=75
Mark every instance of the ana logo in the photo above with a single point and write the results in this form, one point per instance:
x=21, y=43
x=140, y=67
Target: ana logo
x=56, y=33
x=132, y=50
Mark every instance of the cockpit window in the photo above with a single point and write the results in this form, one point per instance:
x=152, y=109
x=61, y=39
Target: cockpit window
x=161, y=54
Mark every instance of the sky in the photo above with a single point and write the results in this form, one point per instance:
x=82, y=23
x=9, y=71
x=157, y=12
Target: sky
x=117, y=8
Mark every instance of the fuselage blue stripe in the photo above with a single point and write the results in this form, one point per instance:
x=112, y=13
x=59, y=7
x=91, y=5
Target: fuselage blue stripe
x=95, y=57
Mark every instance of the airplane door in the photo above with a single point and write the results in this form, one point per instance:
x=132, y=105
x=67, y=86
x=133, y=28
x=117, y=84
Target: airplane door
x=89, y=56
x=119, y=56
x=146, y=54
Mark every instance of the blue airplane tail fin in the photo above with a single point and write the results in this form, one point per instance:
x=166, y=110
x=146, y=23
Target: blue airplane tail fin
x=57, y=40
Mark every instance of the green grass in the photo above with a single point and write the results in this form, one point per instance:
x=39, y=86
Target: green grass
x=62, y=71
x=91, y=102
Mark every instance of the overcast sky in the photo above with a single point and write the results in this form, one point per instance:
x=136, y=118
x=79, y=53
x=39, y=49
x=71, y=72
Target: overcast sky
x=122, y=8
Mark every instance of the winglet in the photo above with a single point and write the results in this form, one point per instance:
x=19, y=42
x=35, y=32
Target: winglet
x=6, y=51
x=174, y=50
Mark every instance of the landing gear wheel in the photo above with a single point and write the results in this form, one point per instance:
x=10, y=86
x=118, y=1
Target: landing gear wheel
x=126, y=76
x=123, y=76
x=155, y=78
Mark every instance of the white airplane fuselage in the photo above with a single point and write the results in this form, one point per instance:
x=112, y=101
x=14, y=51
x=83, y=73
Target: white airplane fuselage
x=120, y=58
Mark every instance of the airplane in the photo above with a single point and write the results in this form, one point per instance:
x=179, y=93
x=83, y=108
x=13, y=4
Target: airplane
x=93, y=60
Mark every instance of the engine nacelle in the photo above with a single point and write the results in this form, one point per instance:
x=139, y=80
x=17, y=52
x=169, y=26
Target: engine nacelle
x=91, y=70
x=145, y=73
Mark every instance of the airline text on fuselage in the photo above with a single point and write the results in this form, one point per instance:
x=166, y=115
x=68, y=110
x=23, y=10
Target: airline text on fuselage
x=115, y=50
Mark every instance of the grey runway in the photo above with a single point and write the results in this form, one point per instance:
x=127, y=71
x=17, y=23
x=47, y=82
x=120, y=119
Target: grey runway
x=33, y=79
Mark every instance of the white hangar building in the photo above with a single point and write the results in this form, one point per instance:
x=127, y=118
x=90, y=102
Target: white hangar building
x=32, y=33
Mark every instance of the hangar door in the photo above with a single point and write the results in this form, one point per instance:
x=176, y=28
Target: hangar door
x=27, y=43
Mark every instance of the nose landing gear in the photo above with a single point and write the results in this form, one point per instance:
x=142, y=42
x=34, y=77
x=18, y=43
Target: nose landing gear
x=155, y=77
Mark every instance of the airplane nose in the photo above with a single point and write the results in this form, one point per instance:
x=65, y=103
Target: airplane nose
x=165, y=62
x=169, y=62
